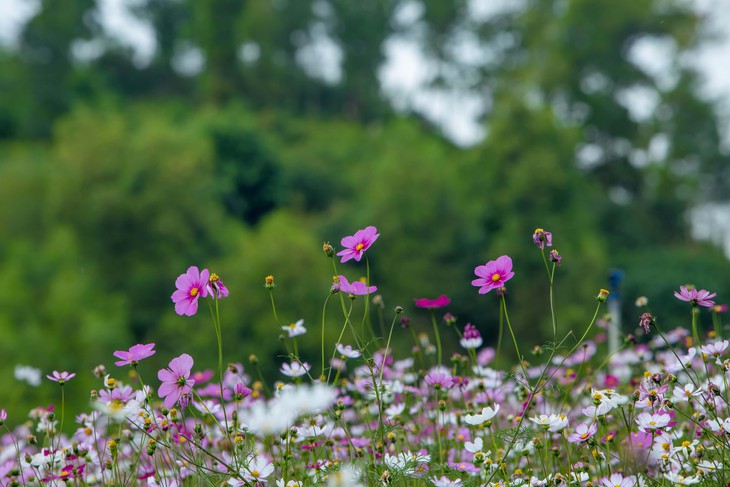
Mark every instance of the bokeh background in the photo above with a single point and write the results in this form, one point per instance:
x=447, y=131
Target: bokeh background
x=247, y=133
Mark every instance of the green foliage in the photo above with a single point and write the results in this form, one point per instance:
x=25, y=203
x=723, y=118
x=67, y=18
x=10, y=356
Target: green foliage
x=116, y=177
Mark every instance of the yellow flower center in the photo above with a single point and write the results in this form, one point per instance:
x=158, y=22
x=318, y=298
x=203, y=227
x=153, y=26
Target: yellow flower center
x=496, y=277
x=194, y=292
x=255, y=473
x=214, y=278
x=359, y=247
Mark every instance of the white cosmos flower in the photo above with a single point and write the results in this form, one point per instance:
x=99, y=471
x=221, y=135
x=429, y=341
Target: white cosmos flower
x=479, y=418
x=295, y=329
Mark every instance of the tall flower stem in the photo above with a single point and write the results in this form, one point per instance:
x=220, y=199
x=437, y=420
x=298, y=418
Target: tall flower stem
x=273, y=305
x=324, y=311
x=695, y=333
x=438, y=336
x=514, y=339
x=215, y=315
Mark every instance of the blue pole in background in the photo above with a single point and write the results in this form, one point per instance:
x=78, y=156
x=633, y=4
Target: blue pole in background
x=615, y=276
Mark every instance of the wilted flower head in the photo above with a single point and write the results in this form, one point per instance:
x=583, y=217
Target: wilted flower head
x=602, y=295
x=493, y=274
x=356, y=244
x=555, y=257
x=542, y=238
x=646, y=321
x=695, y=297
x=216, y=288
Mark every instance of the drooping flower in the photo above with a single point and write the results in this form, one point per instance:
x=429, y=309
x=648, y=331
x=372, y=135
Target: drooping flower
x=542, y=238
x=695, y=297
x=356, y=288
x=439, y=302
x=176, y=381
x=494, y=274
x=555, y=257
x=134, y=354
x=646, y=320
x=190, y=286
x=356, y=244
x=61, y=377
x=216, y=288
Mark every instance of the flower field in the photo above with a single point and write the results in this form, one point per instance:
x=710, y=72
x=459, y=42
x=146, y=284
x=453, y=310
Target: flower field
x=653, y=412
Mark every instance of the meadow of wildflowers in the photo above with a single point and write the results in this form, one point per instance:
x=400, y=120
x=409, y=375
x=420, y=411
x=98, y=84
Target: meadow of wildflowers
x=653, y=412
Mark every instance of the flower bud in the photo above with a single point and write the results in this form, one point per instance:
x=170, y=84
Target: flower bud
x=602, y=295
x=269, y=282
x=328, y=250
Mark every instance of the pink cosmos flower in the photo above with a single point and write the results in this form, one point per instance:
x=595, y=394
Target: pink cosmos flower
x=583, y=432
x=356, y=288
x=358, y=243
x=493, y=274
x=695, y=297
x=190, y=286
x=134, y=355
x=61, y=377
x=439, y=302
x=176, y=382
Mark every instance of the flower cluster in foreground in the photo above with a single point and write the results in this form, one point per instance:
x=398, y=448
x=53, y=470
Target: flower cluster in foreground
x=647, y=414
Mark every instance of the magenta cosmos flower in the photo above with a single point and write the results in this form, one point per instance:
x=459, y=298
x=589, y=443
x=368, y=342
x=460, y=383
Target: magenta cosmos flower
x=134, y=354
x=356, y=288
x=61, y=377
x=358, y=243
x=439, y=302
x=190, y=286
x=493, y=274
x=695, y=297
x=176, y=381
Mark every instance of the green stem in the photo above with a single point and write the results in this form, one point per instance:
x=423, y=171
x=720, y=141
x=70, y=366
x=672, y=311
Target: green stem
x=324, y=311
x=438, y=336
x=514, y=340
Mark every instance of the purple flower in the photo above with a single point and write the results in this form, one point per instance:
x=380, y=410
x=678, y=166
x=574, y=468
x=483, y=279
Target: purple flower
x=555, y=257
x=695, y=297
x=439, y=302
x=542, y=238
x=216, y=288
x=190, y=286
x=356, y=288
x=583, y=432
x=176, y=381
x=646, y=320
x=61, y=377
x=439, y=378
x=134, y=355
x=493, y=274
x=471, y=337
x=358, y=243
